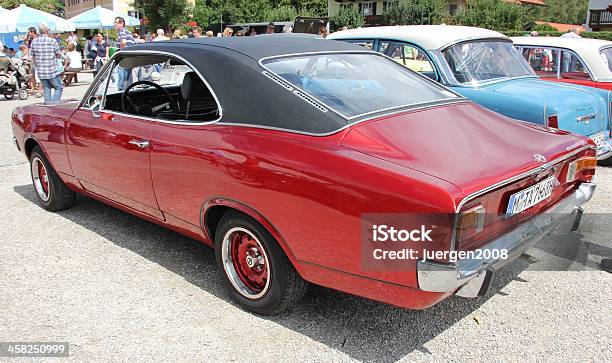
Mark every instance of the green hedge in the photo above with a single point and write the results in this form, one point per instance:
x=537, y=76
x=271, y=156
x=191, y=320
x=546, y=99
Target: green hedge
x=591, y=35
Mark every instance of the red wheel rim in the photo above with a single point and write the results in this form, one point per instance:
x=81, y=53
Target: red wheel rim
x=246, y=263
x=40, y=178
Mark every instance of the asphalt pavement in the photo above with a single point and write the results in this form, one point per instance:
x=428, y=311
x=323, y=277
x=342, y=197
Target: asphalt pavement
x=119, y=288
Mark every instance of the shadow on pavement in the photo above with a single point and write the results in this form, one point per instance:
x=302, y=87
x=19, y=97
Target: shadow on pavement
x=363, y=329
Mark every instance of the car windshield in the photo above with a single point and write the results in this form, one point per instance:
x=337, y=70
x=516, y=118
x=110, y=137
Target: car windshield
x=357, y=84
x=606, y=56
x=479, y=61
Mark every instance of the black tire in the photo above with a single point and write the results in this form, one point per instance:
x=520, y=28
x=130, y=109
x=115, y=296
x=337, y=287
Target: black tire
x=285, y=287
x=605, y=162
x=9, y=94
x=58, y=196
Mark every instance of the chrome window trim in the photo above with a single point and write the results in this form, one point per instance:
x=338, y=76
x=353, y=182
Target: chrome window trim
x=349, y=118
x=505, y=182
x=111, y=64
x=413, y=109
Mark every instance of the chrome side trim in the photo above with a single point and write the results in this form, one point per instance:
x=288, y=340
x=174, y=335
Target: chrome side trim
x=502, y=183
x=310, y=100
x=412, y=109
x=111, y=63
x=278, y=80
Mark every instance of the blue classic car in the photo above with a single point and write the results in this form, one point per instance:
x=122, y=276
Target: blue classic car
x=483, y=65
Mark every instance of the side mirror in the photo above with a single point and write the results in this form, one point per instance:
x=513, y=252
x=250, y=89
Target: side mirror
x=94, y=105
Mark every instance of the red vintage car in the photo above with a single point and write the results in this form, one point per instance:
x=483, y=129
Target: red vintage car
x=282, y=151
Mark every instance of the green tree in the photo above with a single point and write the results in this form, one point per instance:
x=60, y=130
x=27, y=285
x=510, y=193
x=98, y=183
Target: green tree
x=166, y=14
x=415, y=12
x=492, y=14
x=347, y=17
x=562, y=11
x=282, y=13
x=51, y=6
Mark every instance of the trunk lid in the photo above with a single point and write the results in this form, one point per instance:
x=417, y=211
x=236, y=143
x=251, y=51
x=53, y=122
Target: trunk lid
x=569, y=102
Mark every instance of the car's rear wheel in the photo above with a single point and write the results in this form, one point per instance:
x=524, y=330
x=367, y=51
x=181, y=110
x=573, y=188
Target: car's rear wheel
x=256, y=271
x=51, y=191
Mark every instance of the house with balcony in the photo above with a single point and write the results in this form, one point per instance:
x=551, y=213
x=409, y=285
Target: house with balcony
x=599, y=17
x=374, y=10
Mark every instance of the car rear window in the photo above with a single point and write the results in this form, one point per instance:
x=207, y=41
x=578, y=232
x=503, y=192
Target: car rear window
x=357, y=84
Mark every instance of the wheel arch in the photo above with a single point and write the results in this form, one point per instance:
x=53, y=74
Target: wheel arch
x=29, y=144
x=214, y=208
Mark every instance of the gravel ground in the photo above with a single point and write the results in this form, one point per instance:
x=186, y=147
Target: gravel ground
x=119, y=288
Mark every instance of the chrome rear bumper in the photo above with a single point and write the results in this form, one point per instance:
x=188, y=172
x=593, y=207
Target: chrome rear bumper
x=604, y=151
x=473, y=275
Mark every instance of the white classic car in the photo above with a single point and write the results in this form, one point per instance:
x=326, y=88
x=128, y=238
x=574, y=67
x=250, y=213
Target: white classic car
x=587, y=62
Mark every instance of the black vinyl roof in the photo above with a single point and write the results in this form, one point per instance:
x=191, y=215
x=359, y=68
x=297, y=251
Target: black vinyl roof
x=260, y=46
x=245, y=93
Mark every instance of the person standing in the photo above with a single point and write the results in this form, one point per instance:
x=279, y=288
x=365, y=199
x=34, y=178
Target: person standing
x=197, y=32
x=99, y=52
x=161, y=35
x=125, y=39
x=270, y=28
x=87, y=51
x=45, y=52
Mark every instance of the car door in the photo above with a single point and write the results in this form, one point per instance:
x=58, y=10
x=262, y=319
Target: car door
x=109, y=150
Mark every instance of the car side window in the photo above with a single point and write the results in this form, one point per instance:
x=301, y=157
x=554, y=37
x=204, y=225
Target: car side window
x=544, y=61
x=409, y=56
x=160, y=87
x=369, y=44
x=572, y=67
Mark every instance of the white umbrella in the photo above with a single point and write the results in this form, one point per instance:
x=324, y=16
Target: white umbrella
x=100, y=17
x=22, y=17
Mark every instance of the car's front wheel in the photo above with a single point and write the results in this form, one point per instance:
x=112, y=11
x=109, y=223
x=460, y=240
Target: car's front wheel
x=51, y=191
x=256, y=271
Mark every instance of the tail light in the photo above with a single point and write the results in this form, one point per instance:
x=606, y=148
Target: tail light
x=470, y=222
x=582, y=169
x=553, y=121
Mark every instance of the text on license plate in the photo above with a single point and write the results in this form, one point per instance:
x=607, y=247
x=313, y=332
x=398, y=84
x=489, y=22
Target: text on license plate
x=598, y=139
x=531, y=196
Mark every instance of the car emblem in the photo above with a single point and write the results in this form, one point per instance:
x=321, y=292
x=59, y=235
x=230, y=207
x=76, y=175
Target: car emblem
x=539, y=158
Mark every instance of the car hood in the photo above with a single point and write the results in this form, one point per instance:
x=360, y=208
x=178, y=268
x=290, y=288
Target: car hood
x=463, y=144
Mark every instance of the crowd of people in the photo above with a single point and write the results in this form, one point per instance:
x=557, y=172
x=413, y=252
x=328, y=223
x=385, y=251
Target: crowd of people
x=53, y=63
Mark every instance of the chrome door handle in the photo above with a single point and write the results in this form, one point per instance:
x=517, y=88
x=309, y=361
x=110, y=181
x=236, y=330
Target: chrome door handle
x=143, y=144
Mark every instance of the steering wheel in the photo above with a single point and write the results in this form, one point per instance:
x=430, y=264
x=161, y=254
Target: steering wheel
x=145, y=109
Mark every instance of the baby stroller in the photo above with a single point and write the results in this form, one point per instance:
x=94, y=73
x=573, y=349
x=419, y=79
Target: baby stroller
x=13, y=78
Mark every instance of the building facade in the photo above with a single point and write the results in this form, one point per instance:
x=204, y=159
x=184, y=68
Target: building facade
x=374, y=10
x=599, y=17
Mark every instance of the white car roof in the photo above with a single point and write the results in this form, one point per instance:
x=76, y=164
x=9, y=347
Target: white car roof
x=587, y=49
x=429, y=37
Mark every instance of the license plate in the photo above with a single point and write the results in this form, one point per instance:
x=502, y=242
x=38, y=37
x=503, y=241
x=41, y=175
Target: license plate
x=531, y=196
x=598, y=139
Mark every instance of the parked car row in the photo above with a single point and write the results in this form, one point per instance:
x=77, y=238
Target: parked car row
x=484, y=66
x=280, y=152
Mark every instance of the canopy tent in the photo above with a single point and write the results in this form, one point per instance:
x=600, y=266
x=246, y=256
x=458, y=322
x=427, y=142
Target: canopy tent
x=100, y=18
x=22, y=17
